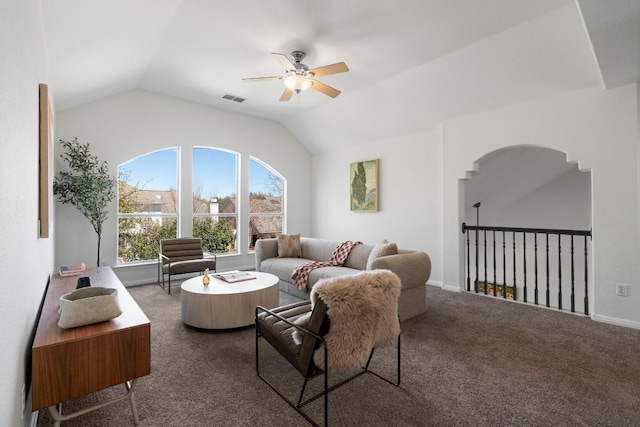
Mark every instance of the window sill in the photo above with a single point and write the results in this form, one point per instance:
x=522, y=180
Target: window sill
x=152, y=262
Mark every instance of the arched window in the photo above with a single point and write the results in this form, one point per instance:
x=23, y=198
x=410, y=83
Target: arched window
x=266, y=202
x=215, y=207
x=149, y=207
x=147, y=204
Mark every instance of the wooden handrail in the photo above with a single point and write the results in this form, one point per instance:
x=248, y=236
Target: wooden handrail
x=466, y=227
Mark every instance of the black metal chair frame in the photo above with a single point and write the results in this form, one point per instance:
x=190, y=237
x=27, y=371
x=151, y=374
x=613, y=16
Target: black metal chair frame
x=314, y=373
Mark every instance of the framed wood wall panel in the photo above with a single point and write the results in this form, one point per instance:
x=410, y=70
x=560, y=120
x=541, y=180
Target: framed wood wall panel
x=45, y=199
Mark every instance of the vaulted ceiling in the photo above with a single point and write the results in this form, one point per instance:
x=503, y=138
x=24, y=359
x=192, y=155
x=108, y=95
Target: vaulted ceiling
x=413, y=63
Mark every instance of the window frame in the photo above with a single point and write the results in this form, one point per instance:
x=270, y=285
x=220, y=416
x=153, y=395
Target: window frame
x=236, y=214
x=281, y=213
x=184, y=216
x=151, y=215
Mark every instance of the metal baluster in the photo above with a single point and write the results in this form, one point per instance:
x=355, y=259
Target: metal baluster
x=475, y=286
x=573, y=290
x=535, y=257
x=559, y=272
x=514, y=265
x=485, y=261
x=548, y=293
x=504, y=265
x=495, y=279
x=524, y=262
x=586, y=279
x=468, y=261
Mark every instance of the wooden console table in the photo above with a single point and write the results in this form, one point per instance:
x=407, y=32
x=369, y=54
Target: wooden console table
x=69, y=363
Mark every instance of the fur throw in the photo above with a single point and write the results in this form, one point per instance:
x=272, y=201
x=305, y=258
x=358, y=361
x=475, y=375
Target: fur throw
x=363, y=310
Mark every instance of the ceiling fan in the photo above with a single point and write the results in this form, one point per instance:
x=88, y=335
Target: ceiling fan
x=299, y=77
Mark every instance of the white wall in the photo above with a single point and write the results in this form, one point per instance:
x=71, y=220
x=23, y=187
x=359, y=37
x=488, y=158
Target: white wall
x=529, y=187
x=133, y=123
x=597, y=128
x=410, y=195
x=27, y=260
x=563, y=203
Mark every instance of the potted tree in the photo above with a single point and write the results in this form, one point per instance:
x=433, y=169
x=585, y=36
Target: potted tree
x=87, y=185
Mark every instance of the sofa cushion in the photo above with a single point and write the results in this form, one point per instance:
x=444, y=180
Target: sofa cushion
x=382, y=248
x=190, y=266
x=321, y=250
x=329, y=272
x=289, y=246
x=282, y=267
x=317, y=249
x=358, y=257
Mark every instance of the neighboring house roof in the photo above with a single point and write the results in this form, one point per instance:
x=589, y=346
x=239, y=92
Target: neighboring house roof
x=157, y=201
x=164, y=201
x=265, y=226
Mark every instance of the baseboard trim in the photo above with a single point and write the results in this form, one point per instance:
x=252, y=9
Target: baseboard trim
x=139, y=282
x=615, y=321
x=443, y=286
x=451, y=288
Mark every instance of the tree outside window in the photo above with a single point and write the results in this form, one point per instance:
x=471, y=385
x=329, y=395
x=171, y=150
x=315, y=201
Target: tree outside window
x=215, y=212
x=147, y=205
x=266, y=202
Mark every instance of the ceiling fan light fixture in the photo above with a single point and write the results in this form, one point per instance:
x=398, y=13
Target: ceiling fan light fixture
x=298, y=77
x=297, y=82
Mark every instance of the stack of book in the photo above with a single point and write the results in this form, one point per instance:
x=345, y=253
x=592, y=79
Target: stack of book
x=72, y=270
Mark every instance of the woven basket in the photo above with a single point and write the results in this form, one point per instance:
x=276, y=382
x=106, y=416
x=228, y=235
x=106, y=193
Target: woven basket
x=88, y=305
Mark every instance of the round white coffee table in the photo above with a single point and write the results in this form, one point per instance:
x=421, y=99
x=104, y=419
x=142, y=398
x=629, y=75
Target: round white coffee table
x=223, y=305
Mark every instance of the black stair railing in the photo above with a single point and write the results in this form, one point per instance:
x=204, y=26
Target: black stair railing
x=516, y=282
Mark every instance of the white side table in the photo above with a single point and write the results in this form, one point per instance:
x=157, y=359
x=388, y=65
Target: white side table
x=223, y=305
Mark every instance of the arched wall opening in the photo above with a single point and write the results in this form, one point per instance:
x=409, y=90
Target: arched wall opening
x=529, y=188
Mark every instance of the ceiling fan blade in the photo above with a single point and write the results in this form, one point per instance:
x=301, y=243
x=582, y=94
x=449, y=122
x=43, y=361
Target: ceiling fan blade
x=284, y=60
x=326, y=89
x=286, y=95
x=260, y=79
x=340, y=67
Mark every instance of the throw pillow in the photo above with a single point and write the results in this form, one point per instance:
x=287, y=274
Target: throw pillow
x=382, y=248
x=289, y=246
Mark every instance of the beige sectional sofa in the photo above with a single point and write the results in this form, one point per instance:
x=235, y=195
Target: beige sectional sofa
x=413, y=268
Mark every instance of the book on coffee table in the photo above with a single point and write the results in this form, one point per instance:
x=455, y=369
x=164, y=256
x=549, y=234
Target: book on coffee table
x=234, y=276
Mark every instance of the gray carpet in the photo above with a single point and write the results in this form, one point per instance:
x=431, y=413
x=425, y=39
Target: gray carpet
x=468, y=361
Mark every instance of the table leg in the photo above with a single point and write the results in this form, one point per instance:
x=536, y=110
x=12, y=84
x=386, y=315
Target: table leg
x=56, y=412
x=132, y=399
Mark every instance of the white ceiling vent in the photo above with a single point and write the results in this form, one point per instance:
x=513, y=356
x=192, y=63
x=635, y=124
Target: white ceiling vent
x=234, y=98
